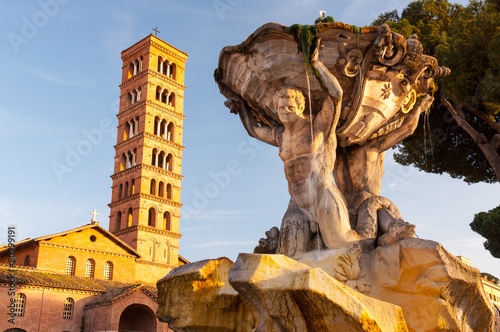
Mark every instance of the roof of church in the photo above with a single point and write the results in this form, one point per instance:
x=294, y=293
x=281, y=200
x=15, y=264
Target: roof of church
x=117, y=294
x=28, y=276
x=111, y=236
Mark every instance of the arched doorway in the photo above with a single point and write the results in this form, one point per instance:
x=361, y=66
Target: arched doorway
x=137, y=318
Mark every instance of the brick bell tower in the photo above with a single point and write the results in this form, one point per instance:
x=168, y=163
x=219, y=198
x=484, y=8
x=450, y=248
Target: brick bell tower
x=147, y=176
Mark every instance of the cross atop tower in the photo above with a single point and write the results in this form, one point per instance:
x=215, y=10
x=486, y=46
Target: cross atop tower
x=94, y=214
x=156, y=31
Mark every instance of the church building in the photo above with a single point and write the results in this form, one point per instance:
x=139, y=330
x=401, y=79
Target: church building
x=95, y=279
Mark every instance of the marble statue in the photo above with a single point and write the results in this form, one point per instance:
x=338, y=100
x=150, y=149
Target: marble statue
x=333, y=98
x=366, y=99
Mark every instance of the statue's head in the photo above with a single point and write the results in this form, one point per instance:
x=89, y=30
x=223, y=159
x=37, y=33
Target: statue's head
x=289, y=103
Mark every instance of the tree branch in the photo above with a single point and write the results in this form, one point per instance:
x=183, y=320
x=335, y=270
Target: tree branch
x=482, y=116
x=489, y=149
x=459, y=117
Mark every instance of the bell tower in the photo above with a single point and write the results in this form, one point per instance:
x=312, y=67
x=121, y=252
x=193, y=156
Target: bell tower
x=145, y=201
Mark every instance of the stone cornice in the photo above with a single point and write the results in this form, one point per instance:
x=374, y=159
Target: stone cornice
x=48, y=244
x=151, y=136
x=148, y=71
x=148, y=229
x=170, y=110
x=147, y=196
x=167, y=79
x=55, y=289
x=165, y=141
x=133, y=79
x=163, y=171
x=169, y=52
x=152, y=168
x=165, y=109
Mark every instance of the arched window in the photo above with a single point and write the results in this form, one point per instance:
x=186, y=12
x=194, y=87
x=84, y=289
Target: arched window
x=69, y=305
x=151, y=217
x=164, y=96
x=19, y=305
x=161, y=160
x=70, y=266
x=161, y=190
x=171, y=99
x=173, y=71
x=120, y=191
x=169, y=191
x=126, y=189
x=27, y=261
x=132, y=187
x=157, y=122
x=152, y=188
x=138, y=92
x=118, y=221
x=129, y=217
x=160, y=64
x=130, y=70
x=154, y=159
x=89, y=268
x=170, y=131
x=166, y=220
x=169, y=162
x=108, y=271
x=163, y=126
x=126, y=130
x=158, y=93
x=166, y=68
x=123, y=162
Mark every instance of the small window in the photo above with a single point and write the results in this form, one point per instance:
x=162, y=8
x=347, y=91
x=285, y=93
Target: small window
x=108, y=271
x=89, y=268
x=69, y=305
x=93, y=238
x=19, y=305
x=70, y=266
x=27, y=261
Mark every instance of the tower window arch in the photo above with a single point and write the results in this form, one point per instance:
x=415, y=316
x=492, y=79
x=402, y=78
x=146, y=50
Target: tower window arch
x=161, y=189
x=132, y=187
x=169, y=166
x=163, y=126
x=118, y=220
x=171, y=99
x=164, y=96
x=89, y=268
x=19, y=305
x=170, y=131
x=126, y=189
x=120, y=191
x=161, y=160
x=156, y=126
x=166, y=220
x=169, y=191
x=160, y=64
x=70, y=266
x=158, y=93
x=129, y=217
x=154, y=159
x=151, y=217
x=69, y=305
x=27, y=261
x=152, y=188
x=108, y=271
x=173, y=71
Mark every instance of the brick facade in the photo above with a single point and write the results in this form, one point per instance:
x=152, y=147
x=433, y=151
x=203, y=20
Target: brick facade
x=108, y=278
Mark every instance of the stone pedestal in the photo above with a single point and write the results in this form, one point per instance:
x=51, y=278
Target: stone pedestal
x=414, y=285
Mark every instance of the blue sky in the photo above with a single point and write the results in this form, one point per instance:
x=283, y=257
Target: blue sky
x=60, y=73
